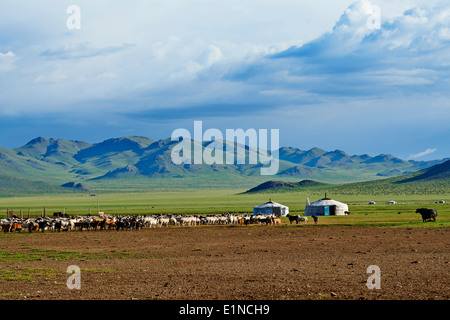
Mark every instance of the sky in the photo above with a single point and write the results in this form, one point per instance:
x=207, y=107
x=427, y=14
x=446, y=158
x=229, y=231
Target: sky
x=365, y=77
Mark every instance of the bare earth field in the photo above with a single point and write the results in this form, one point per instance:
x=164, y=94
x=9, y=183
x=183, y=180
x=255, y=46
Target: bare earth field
x=308, y=262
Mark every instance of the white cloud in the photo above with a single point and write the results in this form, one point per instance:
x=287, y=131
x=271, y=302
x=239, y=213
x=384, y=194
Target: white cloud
x=423, y=154
x=191, y=54
x=149, y=46
x=7, y=61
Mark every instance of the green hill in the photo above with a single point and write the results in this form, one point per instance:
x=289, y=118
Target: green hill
x=274, y=186
x=440, y=172
x=433, y=180
x=56, y=151
x=18, y=186
x=142, y=163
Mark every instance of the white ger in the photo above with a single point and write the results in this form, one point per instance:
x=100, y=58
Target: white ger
x=326, y=207
x=271, y=207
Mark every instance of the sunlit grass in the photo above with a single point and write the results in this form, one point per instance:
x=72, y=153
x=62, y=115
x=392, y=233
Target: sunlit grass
x=233, y=201
x=36, y=254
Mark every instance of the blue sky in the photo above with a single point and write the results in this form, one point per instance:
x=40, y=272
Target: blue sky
x=314, y=70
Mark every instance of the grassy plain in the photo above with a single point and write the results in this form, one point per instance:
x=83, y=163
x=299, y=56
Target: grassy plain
x=214, y=201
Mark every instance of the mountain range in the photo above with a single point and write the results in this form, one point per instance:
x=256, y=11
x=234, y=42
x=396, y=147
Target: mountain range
x=46, y=164
x=432, y=180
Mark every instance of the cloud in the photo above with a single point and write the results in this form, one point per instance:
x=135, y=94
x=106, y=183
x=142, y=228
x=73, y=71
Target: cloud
x=410, y=50
x=81, y=51
x=391, y=67
x=7, y=61
x=293, y=63
x=422, y=154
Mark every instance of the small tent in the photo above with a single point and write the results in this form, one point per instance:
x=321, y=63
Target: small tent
x=326, y=207
x=271, y=207
x=391, y=202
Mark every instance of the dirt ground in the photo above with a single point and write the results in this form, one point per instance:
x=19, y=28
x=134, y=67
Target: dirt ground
x=308, y=262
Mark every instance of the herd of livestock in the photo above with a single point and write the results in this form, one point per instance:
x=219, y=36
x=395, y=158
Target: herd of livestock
x=137, y=222
x=133, y=222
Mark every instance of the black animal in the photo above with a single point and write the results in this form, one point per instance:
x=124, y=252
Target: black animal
x=120, y=225
x=293, y=218
x=268, y=220
x=86, y=225
x=316, y=219
x=427, y=214
x=123, y=224
x=58, y=225
x=43, y=224
x=134, y=223
x=102, y=224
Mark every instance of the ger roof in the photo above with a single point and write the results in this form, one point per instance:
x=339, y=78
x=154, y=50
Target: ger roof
x=327, y=202
x=270, y=204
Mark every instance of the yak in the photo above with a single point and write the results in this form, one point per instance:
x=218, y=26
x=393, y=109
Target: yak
x=427, y=214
